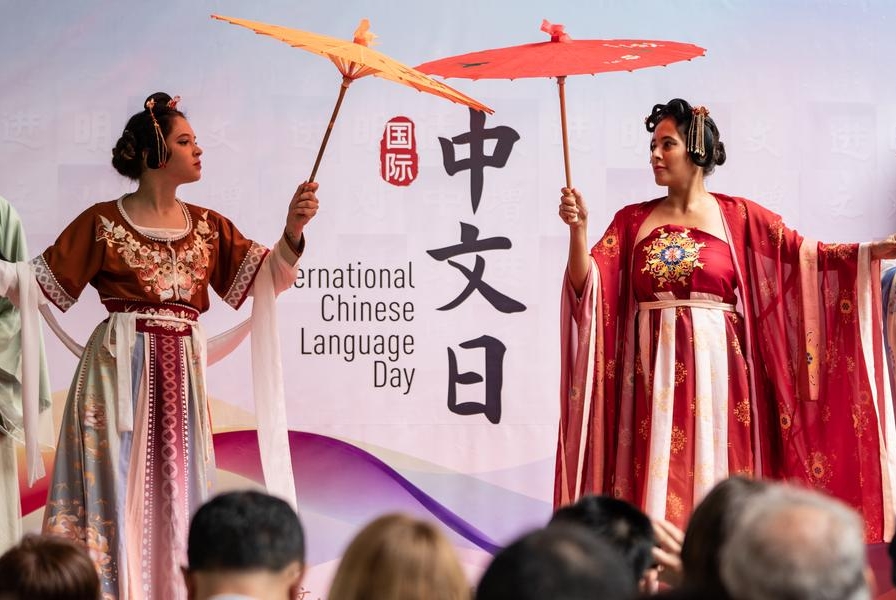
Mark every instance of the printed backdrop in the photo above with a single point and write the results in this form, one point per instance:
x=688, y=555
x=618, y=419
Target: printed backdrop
x=421, y=340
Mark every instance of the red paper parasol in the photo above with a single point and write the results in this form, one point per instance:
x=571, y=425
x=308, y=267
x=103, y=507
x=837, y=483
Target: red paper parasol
x=560, y=57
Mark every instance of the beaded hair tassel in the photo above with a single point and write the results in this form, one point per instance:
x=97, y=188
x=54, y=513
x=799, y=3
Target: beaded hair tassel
x=161, y=146
x=695, y=131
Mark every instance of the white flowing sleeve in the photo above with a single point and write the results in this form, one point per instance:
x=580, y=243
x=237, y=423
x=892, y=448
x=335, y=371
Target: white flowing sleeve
x=275, y=275
x=282, y=275
x=17, y=282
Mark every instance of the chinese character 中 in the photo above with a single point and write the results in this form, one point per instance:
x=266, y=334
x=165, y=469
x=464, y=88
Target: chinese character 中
x=505, y=138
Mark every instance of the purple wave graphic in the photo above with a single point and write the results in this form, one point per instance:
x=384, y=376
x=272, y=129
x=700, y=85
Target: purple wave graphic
x=335, y=477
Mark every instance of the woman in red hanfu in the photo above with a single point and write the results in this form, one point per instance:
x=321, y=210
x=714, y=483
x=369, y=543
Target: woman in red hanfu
x=135, y=455
x=701, y=337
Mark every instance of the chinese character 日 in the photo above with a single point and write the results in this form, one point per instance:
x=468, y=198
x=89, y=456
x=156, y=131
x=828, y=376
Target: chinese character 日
x=494, y=379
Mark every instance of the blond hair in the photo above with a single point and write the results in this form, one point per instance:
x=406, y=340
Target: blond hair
x=397, y=557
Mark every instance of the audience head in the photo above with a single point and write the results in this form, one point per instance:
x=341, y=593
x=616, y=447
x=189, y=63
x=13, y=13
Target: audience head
x=621, y=524
x=709, y=528
x=563, y=562
x=398, y=557
x=796, y=544
x=48, y=568
x=244, y=540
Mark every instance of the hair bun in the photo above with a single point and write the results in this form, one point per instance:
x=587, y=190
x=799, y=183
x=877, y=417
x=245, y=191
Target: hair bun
x=125, y=156
x=157, y=100
x=126, y=146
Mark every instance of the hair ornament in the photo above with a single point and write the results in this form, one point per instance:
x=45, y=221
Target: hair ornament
x=695, y=143
x=161, y=146
x=172, y=104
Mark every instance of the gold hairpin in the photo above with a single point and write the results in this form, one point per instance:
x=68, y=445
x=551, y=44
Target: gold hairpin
x=696, y=143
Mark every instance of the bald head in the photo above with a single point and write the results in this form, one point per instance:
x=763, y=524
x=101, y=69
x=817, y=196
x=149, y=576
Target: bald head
x=795, y=544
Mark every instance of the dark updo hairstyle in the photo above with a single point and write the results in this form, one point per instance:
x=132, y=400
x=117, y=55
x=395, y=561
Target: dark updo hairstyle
x=140, y=138
x=683, y=114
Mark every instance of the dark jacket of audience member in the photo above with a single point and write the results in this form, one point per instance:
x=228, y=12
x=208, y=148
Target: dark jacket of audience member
x=560, y=562
x=240, y=542
x=619, y=523
x=48, y=568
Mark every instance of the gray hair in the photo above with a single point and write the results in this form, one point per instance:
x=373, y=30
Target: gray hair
x=795, y=544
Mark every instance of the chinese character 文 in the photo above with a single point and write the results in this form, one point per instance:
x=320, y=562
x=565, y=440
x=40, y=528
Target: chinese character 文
x=494, y=379
x=469, y=244
x=505, y=138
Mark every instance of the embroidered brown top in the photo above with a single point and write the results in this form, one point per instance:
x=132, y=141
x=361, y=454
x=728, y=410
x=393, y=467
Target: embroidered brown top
x=124, y=263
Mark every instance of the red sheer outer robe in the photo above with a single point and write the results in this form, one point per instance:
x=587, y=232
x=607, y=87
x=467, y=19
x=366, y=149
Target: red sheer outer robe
x=764, y=360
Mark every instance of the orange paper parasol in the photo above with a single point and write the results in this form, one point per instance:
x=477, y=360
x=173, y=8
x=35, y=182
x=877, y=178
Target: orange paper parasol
x=560, y=57
x=355, y=59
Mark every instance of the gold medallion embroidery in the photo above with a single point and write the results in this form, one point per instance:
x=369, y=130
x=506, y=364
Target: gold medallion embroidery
x=672, y=257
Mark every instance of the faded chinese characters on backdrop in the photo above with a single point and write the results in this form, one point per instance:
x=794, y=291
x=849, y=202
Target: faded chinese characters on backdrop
x=344, y=299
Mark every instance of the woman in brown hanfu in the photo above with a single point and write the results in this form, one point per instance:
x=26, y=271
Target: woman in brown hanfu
x=702, y=338
x=135, y=454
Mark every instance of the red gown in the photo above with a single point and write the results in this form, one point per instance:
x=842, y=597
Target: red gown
x=697, y=424
x=687, y=359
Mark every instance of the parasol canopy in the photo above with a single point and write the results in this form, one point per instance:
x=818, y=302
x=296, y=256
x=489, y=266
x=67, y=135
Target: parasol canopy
x=559, y=57
x=355, y=59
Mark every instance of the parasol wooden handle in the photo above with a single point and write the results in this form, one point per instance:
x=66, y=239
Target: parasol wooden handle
x=346, y=81
x=561, y=83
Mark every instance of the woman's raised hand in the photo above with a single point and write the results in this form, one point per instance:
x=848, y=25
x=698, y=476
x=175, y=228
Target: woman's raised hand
x=573, y=210
x=884, y=249
x=302, y=209
x=667, y=552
